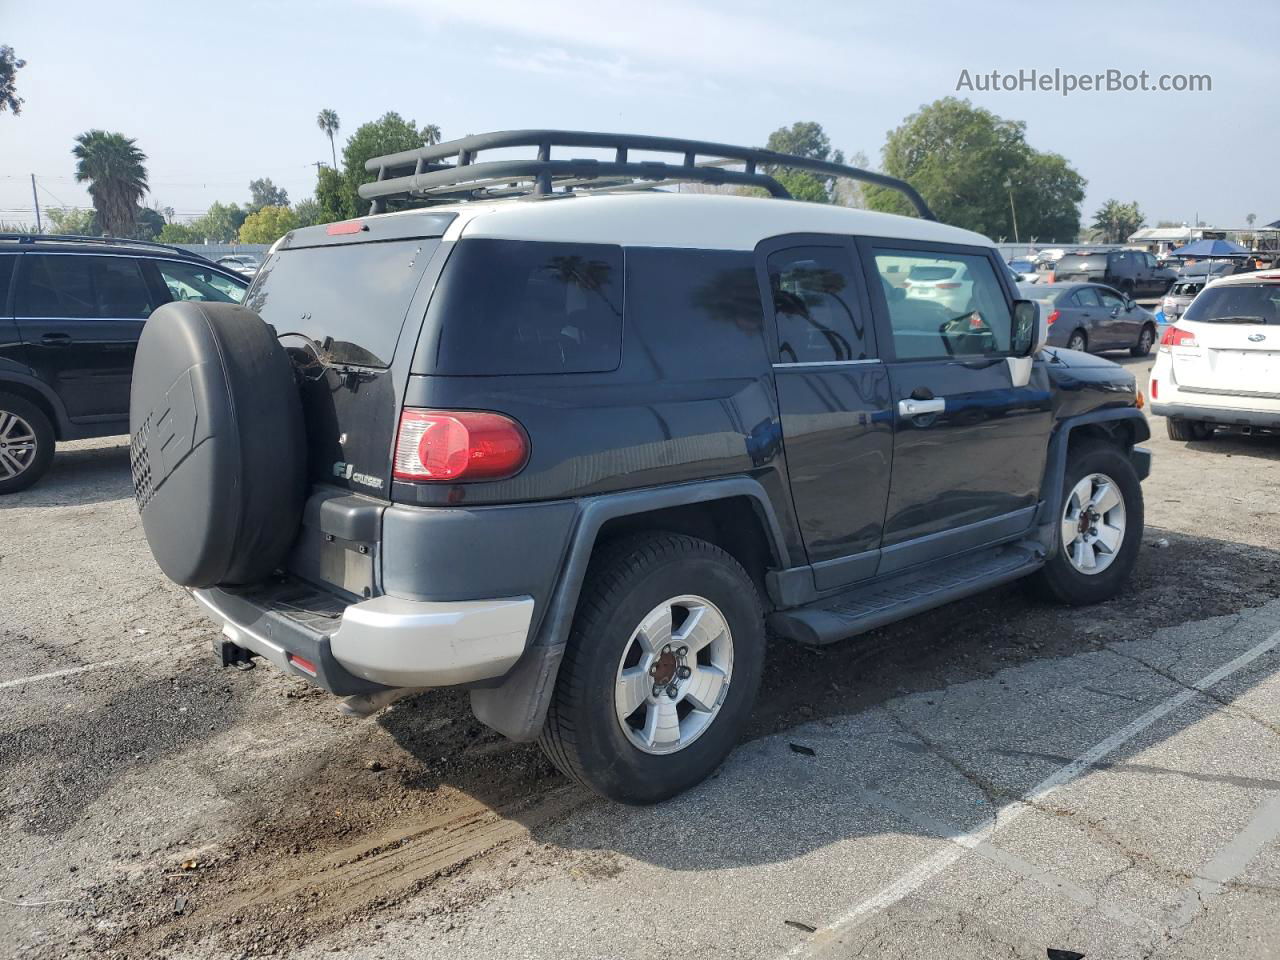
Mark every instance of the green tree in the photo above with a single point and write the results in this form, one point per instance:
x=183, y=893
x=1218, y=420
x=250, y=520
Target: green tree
x=149, y=223
x=332, y=196
x=113, y=166
x=390, y=133
x=9, y=67
x=221, y=222
x=328, y=122
x=68, y=221
x=431, y=134
x=1115, y=221
x=976, y=170
x=267, y=225
x=264, y=193
x=308, y=213
x=179, y=233
x=804, y=139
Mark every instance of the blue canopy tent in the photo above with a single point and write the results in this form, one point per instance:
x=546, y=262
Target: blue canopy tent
x=1210, y=248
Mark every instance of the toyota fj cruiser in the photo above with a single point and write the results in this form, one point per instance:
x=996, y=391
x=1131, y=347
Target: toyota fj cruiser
x=570, y=440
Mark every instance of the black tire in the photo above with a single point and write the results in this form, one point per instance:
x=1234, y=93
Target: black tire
x=1081, y=337
x=1146, y=339
x=1059, y=579
x=218, y=446
x=583, y=735
x=1185, y=431
x=28, y=465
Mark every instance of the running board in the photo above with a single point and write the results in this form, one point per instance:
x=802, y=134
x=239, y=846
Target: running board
x=874, y=604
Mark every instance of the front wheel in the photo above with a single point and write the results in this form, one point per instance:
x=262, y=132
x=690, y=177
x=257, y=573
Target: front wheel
x=661, y=670
x=1099, y=528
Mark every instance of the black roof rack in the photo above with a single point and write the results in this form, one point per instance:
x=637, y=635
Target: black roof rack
x=450, y=171
x=112, y=241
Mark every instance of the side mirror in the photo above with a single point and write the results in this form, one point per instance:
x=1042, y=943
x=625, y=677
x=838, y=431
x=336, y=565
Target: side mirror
x=1030, y=328
x=1130, y=304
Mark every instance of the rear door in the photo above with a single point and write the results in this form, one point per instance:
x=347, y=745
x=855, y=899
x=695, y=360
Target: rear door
x=1082, y=312
x=80, y=316
x=833, y=395
x=969, y=444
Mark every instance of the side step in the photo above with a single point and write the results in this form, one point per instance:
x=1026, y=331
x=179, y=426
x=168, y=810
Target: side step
x=871, y=605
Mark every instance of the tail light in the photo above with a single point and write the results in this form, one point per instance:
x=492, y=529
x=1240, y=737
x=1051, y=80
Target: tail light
x=456, y=445
x=1155, y=390
x=1053, y=317
x=948, y=286
x=1177, y=337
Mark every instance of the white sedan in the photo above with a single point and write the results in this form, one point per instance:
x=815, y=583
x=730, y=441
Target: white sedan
x=1219, y=365
x=944, y=282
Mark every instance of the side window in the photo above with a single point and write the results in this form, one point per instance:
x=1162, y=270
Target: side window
x=191, y=282
x=816, y=306
x=1085, y=297
x=946, y=305
x=7, y=264
x=80, y=287
x=1110, y=301
x=522, y=307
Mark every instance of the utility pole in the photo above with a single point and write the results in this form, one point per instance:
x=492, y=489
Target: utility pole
x=319, y=165
x=36, y=200
x=1008, y=185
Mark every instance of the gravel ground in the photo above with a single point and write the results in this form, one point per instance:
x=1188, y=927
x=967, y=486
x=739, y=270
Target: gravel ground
x=154, y=805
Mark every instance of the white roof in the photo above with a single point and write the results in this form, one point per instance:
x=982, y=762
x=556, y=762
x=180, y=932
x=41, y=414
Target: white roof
x=1266, y=276
x=662, y=219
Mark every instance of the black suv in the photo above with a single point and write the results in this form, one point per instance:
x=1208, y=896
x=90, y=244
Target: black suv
x=1134, y=273
x=71, y=311
x=572, y=450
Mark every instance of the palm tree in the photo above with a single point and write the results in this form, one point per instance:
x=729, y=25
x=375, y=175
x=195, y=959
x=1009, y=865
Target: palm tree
x=327, y=120
x=431, y=134
x=113, y=165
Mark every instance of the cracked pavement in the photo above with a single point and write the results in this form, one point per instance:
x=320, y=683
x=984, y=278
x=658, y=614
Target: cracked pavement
x=946, y=810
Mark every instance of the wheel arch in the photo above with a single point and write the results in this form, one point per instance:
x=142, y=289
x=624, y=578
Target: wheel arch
x=735, y=513
x=33, y=391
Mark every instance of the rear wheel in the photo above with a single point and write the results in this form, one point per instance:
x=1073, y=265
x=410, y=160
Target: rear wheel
x=26, y=443
x=1186, y=430
x=1099, y=530
x=1145, y=341
x=661, y=670
x=1078, y=341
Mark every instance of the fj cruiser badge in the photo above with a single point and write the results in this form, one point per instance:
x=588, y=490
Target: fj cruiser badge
x=367, y=480
x=343, y=470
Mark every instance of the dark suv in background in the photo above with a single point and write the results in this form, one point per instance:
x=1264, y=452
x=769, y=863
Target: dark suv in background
x=1134, y=273
x=71, y=312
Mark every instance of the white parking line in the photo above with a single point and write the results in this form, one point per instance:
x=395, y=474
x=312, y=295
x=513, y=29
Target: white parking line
x=71, y=671
x=930, y=867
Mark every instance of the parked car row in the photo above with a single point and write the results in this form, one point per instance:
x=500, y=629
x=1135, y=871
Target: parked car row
x=71, y=312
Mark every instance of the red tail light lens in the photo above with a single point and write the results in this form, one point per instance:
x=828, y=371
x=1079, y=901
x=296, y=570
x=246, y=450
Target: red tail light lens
x=456, y=445
x=1155, y=390
x=1177, y=337
x=948, y=286
x=1053, y=317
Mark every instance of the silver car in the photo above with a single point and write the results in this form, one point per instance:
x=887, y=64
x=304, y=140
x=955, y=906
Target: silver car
x=1179, y=297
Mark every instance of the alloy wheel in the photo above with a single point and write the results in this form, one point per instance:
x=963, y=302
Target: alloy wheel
x=17, y=445
x=674, y=674
x=1093, y=524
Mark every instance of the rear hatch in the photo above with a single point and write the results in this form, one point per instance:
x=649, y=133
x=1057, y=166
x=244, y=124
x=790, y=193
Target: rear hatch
x=1236, y=347
x=1076, y=266
x=347, y=301
x=339, y=297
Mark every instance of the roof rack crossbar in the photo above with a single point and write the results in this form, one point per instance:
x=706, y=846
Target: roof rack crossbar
x=452, y=170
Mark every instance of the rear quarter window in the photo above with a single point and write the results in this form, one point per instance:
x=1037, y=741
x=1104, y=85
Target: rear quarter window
x=505, y=307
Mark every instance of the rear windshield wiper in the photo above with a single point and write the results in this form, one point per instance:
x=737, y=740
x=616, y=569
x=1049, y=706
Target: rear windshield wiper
x=1234, y=320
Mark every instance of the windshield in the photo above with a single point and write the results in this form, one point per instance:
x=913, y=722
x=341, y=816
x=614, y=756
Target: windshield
x=348, y=300
x=1237, y=303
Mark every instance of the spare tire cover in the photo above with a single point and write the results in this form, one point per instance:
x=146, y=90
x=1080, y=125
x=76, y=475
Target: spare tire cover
x=217, y=444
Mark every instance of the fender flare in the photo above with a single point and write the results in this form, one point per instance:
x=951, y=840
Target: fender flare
x=1056, y=462
x=517, y=707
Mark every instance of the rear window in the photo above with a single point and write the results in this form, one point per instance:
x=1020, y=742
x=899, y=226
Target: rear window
x=1237, y=303
x=349, y=300
x=1077, y=264
x=1186, y=289
x=931, y=273
x=519, y=307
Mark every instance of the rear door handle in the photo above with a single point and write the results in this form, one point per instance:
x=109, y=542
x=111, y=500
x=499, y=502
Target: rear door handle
x=56, y=339
x=914, y=408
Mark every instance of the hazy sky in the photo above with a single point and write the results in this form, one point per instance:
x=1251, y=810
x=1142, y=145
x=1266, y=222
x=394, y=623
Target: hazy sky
x=219, y=93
